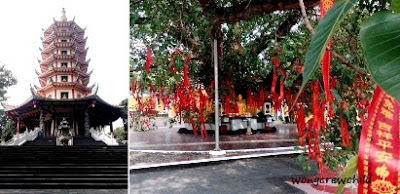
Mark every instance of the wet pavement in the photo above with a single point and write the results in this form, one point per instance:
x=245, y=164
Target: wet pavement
x=165, y=138
x=140, y=159
x=261, y=175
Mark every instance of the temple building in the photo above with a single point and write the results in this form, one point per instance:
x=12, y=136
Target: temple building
x=63, y=99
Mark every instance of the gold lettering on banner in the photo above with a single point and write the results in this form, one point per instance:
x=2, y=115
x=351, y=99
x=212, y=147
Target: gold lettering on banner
x=382, y=186
x=384, y=134
x=384, y=126
x=383, y=156
x=387, y=113
x=384, y=144
x=388, y=103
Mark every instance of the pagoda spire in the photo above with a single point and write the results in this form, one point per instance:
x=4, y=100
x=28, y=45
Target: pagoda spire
x=63, y=17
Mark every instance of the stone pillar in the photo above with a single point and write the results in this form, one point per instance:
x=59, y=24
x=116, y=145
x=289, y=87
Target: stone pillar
x=55, y=124
x=87, y=122
x=111, y=128
x=41, y=121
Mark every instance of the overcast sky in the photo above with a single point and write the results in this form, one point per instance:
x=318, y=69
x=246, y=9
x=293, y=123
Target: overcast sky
x=107, y=22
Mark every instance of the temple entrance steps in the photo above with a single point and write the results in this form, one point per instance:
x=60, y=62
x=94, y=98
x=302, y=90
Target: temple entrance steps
x=82, y=140
x=68, y=167
x=51, y=141
x=42, y=141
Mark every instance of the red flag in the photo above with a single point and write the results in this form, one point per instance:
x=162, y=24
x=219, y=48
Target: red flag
x=149, y=60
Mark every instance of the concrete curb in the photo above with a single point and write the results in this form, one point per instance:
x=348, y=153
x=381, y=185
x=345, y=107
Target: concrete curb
x=148, y=166
x=207, y=151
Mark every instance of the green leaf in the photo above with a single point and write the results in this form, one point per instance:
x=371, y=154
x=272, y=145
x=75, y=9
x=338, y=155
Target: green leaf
x=336, y=95
x=380, y=37
x=396, y=6
x=323, y=32
x=349, y=172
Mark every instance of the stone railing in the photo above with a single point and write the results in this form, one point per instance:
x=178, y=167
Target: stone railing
x=108, y=139
x=21, y=138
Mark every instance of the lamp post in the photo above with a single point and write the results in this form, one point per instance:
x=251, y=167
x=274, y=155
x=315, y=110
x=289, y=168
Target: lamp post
x=217, y=150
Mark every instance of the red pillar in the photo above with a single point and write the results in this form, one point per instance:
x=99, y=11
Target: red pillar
x=18, y=124
x=73, y=94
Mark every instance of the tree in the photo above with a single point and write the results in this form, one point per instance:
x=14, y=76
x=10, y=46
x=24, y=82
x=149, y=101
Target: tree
x=120, y=134
x=9, y=130
x=124, y=113
x=6, y=80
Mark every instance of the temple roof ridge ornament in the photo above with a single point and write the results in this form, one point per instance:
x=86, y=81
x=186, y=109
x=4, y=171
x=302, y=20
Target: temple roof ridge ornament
x=63, y=17
x=32, y=89
x=37, y=73
x=97, y=89
x=7, y=106
x=73, y=19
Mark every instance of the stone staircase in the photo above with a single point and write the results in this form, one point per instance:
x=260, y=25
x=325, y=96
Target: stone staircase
x=42, y=141
x=74, y=167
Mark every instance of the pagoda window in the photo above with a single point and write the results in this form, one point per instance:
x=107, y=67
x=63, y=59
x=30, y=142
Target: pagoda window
x=64, y=95
x=64, y=40
x=64, y=78
x=64, y=52
x=64, y=64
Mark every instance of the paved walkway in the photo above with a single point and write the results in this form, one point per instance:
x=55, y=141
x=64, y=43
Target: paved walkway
x=168, y=139
x=262, y=175
x=63, y=191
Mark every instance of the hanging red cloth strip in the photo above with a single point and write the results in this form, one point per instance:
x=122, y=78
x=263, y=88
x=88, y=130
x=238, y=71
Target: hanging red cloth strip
x=203, y=102
x=186, y=83
x=172, y=68
x=379, y=150
x=260, y=97
x=149, y=60
x=301, y=123
x=274, y=80
x=325, y=5
x=344, y=131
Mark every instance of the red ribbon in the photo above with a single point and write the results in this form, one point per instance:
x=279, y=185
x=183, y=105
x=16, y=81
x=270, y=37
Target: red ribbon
x=379, y=149
x=344, y=131
x=149, y=60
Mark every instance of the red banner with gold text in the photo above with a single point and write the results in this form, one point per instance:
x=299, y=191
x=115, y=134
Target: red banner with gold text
x=378, y=161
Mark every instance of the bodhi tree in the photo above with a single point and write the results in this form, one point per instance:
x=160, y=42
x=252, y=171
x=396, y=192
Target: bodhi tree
x=248, y=33
x=377, y=34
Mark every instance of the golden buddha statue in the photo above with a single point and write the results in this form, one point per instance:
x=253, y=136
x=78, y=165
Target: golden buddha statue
x=241, y=105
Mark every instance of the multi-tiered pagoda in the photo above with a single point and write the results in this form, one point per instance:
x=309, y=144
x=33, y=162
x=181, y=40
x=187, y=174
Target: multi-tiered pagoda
x=63, y=97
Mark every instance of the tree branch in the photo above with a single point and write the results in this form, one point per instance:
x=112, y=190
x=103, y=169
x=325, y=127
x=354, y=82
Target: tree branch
x=336, y=55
